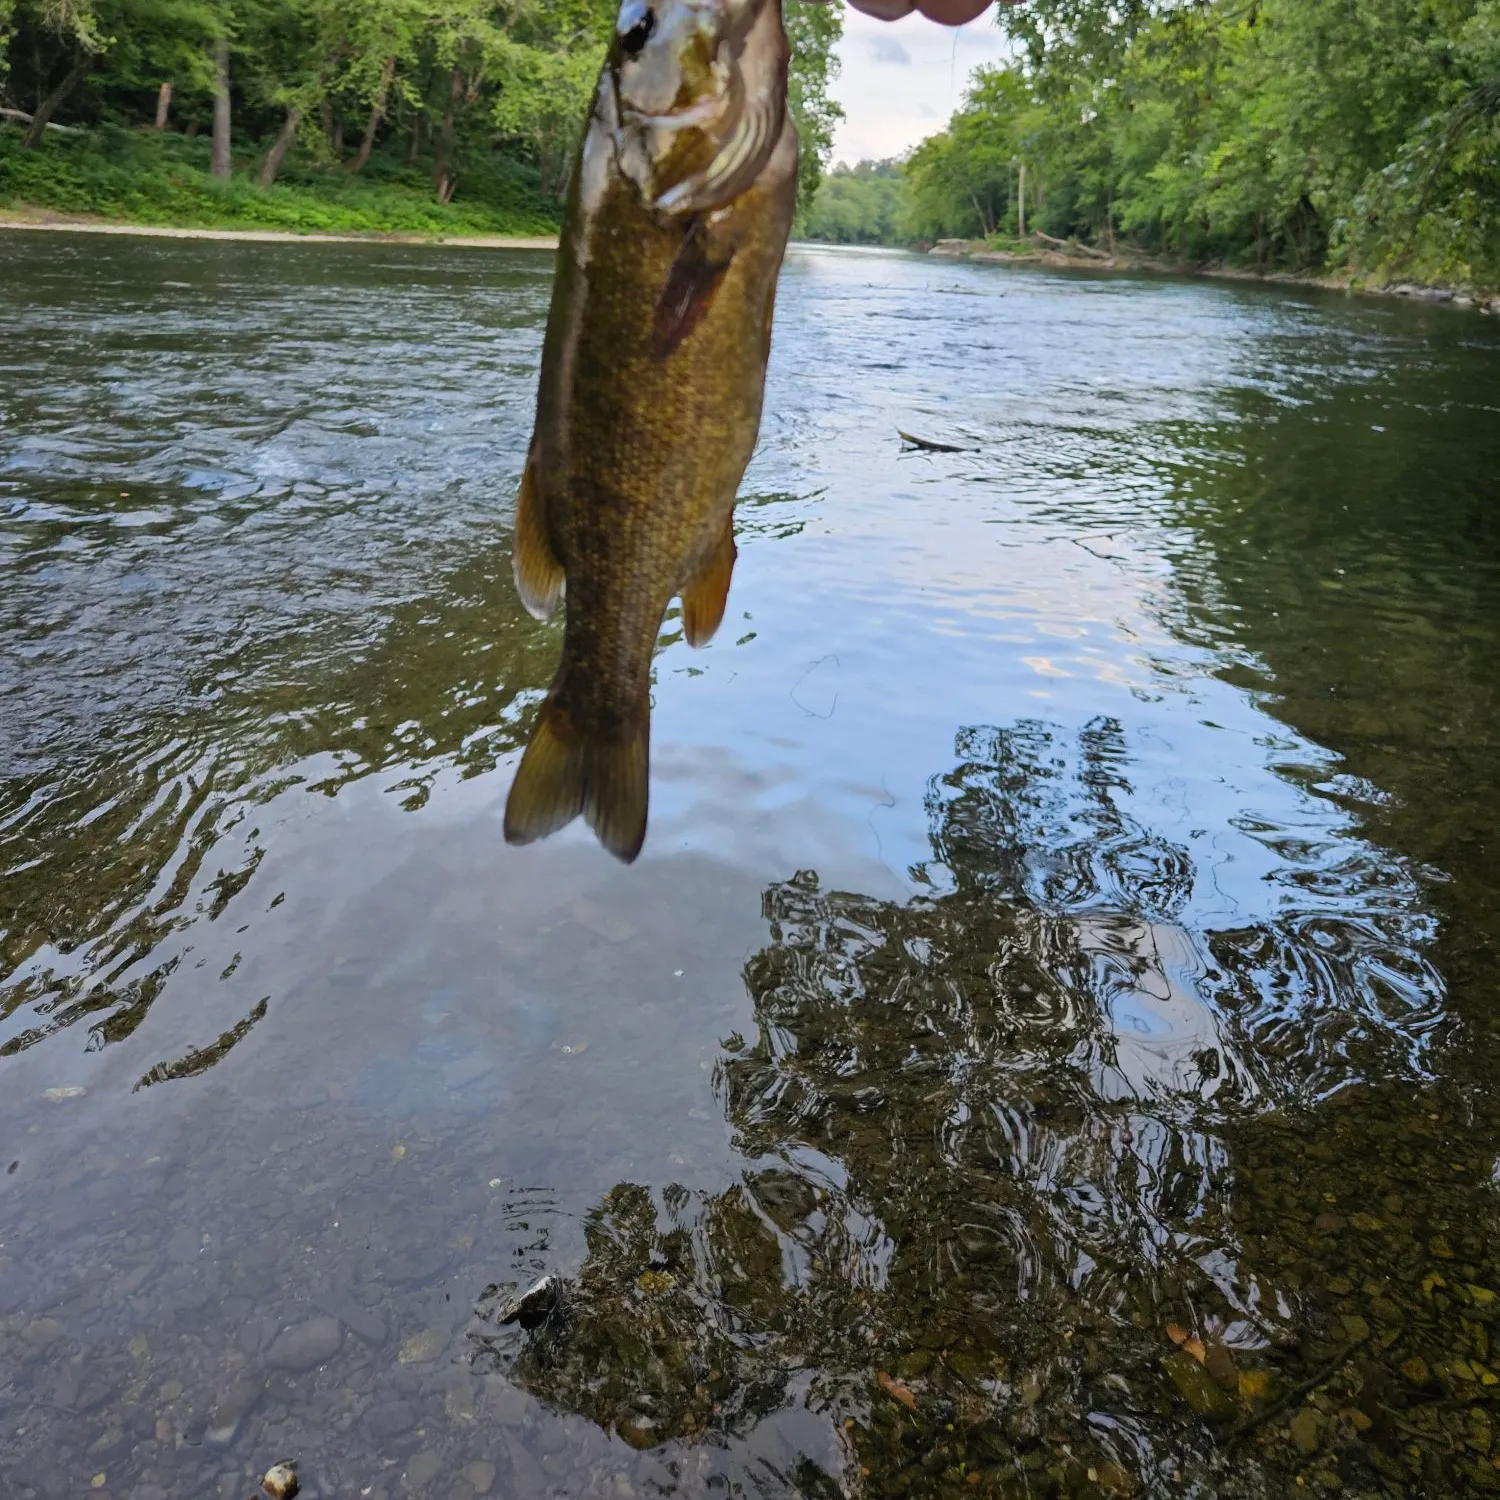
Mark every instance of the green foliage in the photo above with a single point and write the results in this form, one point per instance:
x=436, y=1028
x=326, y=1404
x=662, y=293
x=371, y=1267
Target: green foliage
x=471, y=94
x=1309, y=135
x=813, y=31
x=148, y=179
x=863, y=205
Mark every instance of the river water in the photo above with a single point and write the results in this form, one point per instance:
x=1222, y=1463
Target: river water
x=1047, y=1047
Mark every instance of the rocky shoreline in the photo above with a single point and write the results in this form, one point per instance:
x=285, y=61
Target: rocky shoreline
x=1073, y=256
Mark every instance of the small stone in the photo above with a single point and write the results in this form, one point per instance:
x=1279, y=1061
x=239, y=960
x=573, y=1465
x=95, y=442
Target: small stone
x=422, y=1348
x=637, y=1430
x=388, y=1419
x=1307, y=1430
x=480, y=1476
x=425, y=1467
x=305, y=1346
x=534, y=1306
x=1197, y=1387
x=171, y=1390
x=362, y=1322
x=1415, y=1369
x=236, y=1404
x=1327, y=1223
x=1355, y=1327
x=183, y=1246
x=99, y=1481
x=42, y=1333
x=280, y=1482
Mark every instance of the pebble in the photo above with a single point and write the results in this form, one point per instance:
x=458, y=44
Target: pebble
x=1196, y=1386
x=388, y=1419
x=42, y=1333
x=305, y=1346
x=480, y=1476
x=425, y=1467
x=362, y=1322
x=281, y=1482
x=236, y=1404
x=1307, y=1430
x=422, y=1348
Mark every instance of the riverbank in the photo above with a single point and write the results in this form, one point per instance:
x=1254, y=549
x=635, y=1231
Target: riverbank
x=142, y=179
x=1062, y=253
x=25, y=218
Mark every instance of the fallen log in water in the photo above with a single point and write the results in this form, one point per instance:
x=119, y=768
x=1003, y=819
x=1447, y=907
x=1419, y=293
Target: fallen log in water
x=927, y=445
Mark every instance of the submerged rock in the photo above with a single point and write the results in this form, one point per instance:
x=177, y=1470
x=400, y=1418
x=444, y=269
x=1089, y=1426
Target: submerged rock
x=305, y=1346
x=535, y=1305
x=1197, y=1387
x=281, y=1482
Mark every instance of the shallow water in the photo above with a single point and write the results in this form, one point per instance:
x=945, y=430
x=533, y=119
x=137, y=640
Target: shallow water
x=1069, y=911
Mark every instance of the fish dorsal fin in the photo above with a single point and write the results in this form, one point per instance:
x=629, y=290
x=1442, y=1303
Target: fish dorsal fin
x=539, y=575
x=707, y=592
x=689, y=293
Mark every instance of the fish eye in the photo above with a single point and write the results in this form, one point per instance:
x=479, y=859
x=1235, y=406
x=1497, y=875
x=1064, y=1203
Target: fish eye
x=637, y=22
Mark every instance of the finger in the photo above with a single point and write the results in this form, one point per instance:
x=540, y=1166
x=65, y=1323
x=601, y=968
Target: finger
x=952, y=12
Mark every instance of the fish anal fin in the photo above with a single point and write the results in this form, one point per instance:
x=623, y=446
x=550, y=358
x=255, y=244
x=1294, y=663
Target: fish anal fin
x=539, y=576
x=565, y=772
x=707, y=592
x=692, y=283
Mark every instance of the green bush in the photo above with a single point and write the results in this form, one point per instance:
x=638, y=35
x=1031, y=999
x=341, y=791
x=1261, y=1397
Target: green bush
x=144, y=178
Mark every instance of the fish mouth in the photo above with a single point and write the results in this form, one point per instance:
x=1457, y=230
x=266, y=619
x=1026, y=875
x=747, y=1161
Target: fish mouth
x=704, y=113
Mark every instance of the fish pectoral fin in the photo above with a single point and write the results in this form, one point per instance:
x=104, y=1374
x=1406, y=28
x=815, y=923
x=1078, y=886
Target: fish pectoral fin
x=539, y=576
x=564, y=773
x=695, y=277
x=706, y=594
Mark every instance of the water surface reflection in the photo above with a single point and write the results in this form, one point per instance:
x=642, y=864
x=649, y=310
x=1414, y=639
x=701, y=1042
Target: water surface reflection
x=1070, y=912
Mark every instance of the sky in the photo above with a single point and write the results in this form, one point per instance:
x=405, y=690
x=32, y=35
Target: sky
x=901, y=80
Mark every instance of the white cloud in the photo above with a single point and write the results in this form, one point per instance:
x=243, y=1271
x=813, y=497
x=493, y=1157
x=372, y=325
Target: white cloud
x=902, y=79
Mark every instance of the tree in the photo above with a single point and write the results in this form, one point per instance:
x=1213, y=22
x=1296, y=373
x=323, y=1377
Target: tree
x=73, y=28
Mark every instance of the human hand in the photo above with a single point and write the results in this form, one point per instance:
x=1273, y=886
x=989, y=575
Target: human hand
x=949, y=12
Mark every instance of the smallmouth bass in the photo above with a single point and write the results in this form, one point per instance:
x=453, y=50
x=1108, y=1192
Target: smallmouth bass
x=653, y=373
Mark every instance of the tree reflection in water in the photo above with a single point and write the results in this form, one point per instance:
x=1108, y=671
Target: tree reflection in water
x=1000, y=1137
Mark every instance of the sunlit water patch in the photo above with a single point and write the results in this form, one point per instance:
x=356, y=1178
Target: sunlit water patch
x=1064, y=917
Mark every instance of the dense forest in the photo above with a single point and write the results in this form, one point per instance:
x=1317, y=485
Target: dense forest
x=368, y=114
x=1303, y=135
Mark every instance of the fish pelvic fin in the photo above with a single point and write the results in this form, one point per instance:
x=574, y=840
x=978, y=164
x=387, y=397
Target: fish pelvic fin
x=540, y=579
x=707, y=592
x=565, y=772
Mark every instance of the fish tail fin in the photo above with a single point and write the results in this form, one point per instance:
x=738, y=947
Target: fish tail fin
x=565, y=772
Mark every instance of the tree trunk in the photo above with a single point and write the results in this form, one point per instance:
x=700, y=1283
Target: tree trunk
x=163, y=104
x=48, y=106
x=279, y=148
x=377, y=114
x=219, y=163
x=414, y=142
x=1021, y=203
x=440, y=178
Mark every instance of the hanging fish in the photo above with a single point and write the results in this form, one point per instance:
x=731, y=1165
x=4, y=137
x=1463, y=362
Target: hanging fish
x=653, y=372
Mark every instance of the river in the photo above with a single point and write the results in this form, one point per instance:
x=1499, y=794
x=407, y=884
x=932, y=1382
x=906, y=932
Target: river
x=1047, y=1047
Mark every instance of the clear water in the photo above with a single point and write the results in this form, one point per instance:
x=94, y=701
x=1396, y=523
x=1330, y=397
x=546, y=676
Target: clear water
x=1068, y=926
